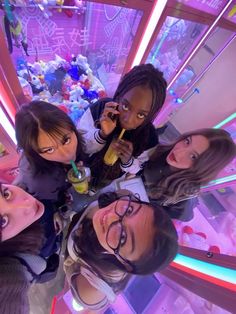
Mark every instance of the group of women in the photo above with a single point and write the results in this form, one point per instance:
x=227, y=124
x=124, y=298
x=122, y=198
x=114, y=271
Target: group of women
x=116, y=234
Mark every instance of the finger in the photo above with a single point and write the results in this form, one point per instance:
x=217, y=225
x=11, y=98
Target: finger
x=106, y=111
x=111, y=104
x=125, y=143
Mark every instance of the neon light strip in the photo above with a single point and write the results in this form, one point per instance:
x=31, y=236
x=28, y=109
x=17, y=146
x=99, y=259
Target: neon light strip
x=199, y=275
x=7, y=126
x=199, y=44
x=220, y=180
x=225, y=121
x=220, y=272
x=154, y=18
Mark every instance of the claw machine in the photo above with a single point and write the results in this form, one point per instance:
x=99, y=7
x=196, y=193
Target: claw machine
x=73, y=52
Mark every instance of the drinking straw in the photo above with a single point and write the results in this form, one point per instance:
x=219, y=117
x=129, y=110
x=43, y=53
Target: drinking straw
x=76, y=171
x=121, y=134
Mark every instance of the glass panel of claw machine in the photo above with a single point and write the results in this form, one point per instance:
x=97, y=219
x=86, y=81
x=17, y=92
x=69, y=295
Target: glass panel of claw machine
x=186, y=43
x=70, y=52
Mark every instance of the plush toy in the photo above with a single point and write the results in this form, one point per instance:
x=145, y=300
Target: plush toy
x=76, y=93
x=36, y=85
x=197, y=240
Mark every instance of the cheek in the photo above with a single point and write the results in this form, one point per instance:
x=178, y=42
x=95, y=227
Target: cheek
x=47, y=156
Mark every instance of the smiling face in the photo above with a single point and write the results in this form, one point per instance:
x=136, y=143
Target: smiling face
x=60, y=149
x=18, y=210
x=134, y=235
x=185, y=152
x=134, y=107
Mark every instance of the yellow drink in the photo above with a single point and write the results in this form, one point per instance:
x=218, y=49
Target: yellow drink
x=111, y=157
x=79, y=184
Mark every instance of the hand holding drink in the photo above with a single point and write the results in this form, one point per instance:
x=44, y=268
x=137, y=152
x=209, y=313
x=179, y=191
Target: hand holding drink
x=111, y=155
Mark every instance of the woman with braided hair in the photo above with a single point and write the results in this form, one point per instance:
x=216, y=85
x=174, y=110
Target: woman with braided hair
x=136, y=103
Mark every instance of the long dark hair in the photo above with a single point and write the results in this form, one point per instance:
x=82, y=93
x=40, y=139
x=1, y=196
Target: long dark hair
x=30, y=241
x=186, y=182
x=47, y=117
x=107, y=266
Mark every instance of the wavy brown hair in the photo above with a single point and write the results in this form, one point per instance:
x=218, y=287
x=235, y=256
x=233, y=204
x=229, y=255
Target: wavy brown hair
x=184, y=183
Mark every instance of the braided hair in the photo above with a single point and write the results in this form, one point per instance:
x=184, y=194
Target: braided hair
x=145, y=75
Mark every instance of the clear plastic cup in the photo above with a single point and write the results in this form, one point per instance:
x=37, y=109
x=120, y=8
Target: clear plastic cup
x=80, y=184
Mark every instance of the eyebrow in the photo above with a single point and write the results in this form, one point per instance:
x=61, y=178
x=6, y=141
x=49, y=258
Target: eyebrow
x=141, y=110
x=62, y=139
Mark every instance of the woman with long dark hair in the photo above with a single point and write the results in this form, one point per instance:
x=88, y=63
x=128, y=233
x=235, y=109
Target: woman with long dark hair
x=29, y=246
x=112, y=239
x=48, y=140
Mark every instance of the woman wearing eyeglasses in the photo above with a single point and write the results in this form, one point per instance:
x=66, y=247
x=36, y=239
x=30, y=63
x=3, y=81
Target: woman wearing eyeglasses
x=112, y=239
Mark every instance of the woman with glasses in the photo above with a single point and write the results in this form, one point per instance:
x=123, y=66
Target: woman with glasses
x=113, y=238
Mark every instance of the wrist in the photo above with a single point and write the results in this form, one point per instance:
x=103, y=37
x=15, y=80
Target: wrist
x=103, y=135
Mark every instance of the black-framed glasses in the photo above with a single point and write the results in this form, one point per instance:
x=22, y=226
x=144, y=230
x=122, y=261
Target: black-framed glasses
x=116, y=234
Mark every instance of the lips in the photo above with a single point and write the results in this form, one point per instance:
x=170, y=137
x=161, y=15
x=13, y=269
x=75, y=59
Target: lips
x=172, y=157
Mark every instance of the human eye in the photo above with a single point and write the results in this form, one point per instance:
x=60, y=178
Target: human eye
x=129, y=210
x=4, y=221
x=123, y=238
x=50, y=150
x=66, y=140
x=125, y=107
x=187, y=140
x=141, y=115
x=193, y=157
x=6, y=193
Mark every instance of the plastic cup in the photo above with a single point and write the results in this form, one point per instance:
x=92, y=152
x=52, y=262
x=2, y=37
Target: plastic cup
x=79, y=184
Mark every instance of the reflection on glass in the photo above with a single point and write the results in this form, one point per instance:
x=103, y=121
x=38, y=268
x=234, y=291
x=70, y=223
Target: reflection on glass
x=213, y=7
x=112, y=30
x=200, y=61
x=176, y=39
x=102, y=33
x=230, y=14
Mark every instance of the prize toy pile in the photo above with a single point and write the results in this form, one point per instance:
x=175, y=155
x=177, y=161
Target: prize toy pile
x=70, y=84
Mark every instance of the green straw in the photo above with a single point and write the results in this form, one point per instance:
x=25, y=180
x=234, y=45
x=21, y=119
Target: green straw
x=76, y=171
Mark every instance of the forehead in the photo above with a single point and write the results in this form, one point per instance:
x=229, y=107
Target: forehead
x=139, y=97
x=45, y=139
x=200, y=143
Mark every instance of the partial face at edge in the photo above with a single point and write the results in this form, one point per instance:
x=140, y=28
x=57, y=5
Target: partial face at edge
x=185, y=152
x=18, y=210
x=138, y=229
x=58, y=149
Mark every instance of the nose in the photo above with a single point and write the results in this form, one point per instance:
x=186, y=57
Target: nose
x=181, y=154
x=128, y=118
x=27, y=205
x=64, y=151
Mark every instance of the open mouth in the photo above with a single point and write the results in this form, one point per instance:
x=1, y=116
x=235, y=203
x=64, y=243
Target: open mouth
x=172, y=157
